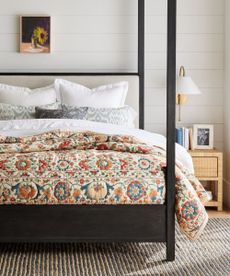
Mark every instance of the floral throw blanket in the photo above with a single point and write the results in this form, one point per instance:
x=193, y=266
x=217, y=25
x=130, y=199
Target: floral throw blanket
x=68, y=167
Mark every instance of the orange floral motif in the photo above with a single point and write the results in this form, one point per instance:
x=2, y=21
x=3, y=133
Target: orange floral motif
x=104, y=164
x=83, y=164
x=124, y=164
x=118, y=192
x=3, y=164
x=12, y=199
x=27, y=192
x=42, y=165
x=99, y=138
x=102, y=147
x=143, y=150
x=158, y=181
x=64, y=144
x=47, y=193
x=22, y=165
x=82, y=181
x=153, y=193
x=76, y=193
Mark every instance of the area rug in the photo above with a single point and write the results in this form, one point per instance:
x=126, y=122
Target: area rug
x=210, y=255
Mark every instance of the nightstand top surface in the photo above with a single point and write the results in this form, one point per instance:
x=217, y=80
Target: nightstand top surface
x=206, y=150
x=199, y=152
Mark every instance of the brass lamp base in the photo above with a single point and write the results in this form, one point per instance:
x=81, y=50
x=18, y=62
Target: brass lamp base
x=181, y=99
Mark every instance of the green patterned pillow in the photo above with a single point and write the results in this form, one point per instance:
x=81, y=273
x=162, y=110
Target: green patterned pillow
x=123, y=116
x=17, y=112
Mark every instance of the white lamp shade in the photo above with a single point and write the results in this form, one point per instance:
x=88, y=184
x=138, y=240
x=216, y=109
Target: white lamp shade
x=185, y=85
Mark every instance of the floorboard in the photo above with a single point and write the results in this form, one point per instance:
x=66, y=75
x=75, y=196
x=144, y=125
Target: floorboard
x=212, y=213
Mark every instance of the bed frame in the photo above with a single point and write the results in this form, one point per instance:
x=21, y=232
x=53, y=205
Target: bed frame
x=107, y=223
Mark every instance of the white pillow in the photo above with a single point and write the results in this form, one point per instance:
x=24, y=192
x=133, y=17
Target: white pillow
x=106, y=96
x=27, y=97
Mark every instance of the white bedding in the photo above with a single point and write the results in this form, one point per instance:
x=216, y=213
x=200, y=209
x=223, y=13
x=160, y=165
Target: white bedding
x=36, y=126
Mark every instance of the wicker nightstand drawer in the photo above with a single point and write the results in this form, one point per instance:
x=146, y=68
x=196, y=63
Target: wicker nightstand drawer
x=206, y=166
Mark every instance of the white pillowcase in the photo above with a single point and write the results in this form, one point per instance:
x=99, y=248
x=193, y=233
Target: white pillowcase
x=27, y=97
x=106, y=96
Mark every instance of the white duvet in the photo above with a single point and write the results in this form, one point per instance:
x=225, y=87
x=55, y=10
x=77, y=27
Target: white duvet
x=18, y=128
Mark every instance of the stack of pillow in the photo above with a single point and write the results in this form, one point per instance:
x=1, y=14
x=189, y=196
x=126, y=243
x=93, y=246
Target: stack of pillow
x=68, y=100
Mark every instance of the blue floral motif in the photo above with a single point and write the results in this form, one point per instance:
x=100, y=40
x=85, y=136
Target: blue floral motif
x=61, y=191
x=190, y=210
x=135, y=190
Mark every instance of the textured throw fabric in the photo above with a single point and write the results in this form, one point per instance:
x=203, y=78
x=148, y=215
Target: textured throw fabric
x=68, y=167
x=16, y=112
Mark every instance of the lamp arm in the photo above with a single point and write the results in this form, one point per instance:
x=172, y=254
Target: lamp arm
x=182, y=71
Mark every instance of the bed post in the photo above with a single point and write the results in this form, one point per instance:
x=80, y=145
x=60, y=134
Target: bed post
x=170, y=171
x=141, y=59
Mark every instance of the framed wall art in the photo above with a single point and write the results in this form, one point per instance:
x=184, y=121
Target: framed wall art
x=35, y=34
x=203, y=136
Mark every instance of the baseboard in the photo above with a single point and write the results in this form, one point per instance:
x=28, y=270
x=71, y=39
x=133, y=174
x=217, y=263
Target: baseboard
x=226, y=194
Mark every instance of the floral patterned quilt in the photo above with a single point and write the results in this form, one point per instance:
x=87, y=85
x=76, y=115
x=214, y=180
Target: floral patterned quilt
x=68, y=167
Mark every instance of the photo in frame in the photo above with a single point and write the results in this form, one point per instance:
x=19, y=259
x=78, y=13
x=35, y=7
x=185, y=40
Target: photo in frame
x=203, y=136
x=35, y=34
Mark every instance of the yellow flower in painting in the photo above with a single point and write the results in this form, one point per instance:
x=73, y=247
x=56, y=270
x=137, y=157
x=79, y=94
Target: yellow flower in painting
x=41, y=35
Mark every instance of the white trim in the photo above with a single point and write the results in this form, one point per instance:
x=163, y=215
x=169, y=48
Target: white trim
x=195, y=134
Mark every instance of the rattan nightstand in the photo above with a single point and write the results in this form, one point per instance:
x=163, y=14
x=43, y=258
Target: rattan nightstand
x=208, y=165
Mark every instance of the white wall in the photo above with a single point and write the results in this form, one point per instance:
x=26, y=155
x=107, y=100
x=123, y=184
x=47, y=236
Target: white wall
x=227, y=107
x=100, y=35
x=200, y=50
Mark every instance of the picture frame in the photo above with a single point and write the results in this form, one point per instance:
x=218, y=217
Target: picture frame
x=35, y=34
x=203, y=136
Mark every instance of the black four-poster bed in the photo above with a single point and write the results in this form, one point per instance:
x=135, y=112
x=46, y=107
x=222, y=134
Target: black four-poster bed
x=90, y=223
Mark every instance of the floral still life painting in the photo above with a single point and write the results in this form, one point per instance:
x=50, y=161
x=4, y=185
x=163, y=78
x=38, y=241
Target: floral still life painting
x=35, y=34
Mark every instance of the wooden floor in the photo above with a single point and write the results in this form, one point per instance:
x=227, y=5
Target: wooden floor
x=212, y=213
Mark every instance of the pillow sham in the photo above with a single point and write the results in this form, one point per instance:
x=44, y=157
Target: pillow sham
x=17, y=112
x=123, y=116
x=106, y=96
x=61, y=113
x=24, y=96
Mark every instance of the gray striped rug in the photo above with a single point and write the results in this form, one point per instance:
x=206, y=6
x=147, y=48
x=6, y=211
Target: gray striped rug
x=210, y=255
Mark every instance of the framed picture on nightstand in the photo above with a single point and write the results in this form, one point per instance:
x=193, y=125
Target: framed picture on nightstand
x=203, y=136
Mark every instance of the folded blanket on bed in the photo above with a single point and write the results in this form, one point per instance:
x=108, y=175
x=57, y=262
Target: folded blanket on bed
x=69, y=167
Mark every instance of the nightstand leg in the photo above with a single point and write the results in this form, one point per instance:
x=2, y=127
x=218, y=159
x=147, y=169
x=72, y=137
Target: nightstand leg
x=219, y=208
x=220, y=195
x=220, y=184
